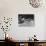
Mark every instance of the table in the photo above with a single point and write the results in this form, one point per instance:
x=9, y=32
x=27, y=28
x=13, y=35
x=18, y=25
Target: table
x=27, y=43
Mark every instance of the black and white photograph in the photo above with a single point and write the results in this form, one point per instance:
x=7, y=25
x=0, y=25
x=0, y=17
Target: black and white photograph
x=26, y=19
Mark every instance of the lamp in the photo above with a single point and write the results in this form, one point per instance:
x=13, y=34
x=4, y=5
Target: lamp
x=35, y=3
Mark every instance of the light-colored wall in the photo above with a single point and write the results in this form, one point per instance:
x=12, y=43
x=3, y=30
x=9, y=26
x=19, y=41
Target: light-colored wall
x=12, y=8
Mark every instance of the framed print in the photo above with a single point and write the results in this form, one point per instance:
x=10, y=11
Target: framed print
x=26, y=19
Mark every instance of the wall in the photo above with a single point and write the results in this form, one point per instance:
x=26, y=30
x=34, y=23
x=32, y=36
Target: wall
x=11, y=8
